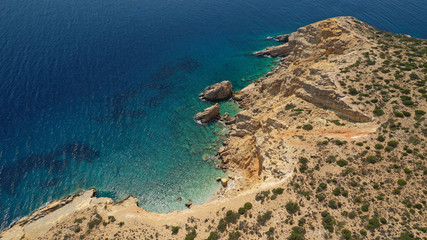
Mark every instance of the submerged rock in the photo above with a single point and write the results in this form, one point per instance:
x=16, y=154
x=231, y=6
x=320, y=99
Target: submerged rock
x=208, y=114
x=189, y=203
x=218, y=91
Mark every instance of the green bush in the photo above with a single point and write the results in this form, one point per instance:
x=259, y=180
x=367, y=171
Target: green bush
x=231, y=217
x=372, y=159
x=399, y=114
x=264, y=218
x=278, y=191
x=328, y=221
x=321, y=187
x=222, y=225
x=346, y=234
x=307, y=127
x=381, y=138
x=414, y=76
x=378, y=111
x=373, y=224
x=379, y=146
x=297, y=233
x=111, y=218
x=353, y=91
x=337, y=191
x=191, y=235
x=365, y=207
x=393, y=144
x=175, y=230
x=213, y=236
x=248, y=206
x=401, y=182
x=289, y=106
x=292, y=207
x=333, y=204
x=320, y=197
x=419, y=112
x=342, y=163
x=418, y=206
x=406, y=113
x=242, y=211
x=234, y=235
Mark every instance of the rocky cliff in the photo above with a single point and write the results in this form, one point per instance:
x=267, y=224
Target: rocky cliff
x=308, y=74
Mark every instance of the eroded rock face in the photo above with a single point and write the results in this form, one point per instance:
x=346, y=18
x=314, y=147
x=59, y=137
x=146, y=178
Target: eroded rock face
x=208, y=114
x=218, y=91
x=262, y=141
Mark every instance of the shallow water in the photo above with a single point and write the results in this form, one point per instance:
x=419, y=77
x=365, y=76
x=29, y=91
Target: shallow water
x=103, y=93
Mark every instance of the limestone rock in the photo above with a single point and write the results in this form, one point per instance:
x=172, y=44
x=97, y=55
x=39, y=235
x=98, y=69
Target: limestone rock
x=224, y=182
x=218, y=91
x=208, y=114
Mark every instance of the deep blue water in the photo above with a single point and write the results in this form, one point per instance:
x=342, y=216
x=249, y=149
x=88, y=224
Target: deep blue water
x=103, y=93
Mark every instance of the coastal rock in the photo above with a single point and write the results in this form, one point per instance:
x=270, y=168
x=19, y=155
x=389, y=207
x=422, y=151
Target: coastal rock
x=208, y=114
x=282, y=38
x=224, y=182
x=218, y=91
x=189, y=203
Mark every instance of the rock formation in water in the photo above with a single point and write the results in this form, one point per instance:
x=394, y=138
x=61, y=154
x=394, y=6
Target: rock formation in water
x=218, y=91
x=208, y=114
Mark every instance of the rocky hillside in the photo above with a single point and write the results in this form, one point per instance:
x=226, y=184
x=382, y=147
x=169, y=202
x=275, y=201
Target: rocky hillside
x=330, y=145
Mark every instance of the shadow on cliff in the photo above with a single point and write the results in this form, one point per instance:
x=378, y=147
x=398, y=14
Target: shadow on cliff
x=55, y=161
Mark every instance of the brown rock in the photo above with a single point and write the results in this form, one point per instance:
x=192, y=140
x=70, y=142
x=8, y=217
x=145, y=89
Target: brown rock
x=224, y=182
x=218, y=91
x=208, y=114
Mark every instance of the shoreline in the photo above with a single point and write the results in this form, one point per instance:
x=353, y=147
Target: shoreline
x=310, y=152
x=220, y=196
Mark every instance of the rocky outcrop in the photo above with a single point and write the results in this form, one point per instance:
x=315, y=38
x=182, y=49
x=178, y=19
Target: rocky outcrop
x=208, y=114
x=218, y=91
x=309, y=70
x=304, y=75
x=284, y=38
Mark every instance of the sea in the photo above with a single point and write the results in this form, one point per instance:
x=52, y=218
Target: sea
x=103, y=93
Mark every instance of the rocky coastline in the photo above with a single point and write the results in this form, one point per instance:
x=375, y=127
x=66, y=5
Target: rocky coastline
x=312, y=129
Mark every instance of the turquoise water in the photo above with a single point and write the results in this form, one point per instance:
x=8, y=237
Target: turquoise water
x=103, y=93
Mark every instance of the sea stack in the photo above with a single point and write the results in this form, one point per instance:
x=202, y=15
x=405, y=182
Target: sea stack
x=218, y=91
x=208, y=114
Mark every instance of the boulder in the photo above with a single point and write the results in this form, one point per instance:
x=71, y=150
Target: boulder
x=282, y=38
x=189, y=203
x=208, y=114
x=218, y=91
x=224, y=182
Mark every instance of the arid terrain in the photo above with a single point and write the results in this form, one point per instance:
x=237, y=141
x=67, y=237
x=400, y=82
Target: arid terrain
x=329, y=145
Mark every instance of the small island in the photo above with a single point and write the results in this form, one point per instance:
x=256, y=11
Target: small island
x=329, y=145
